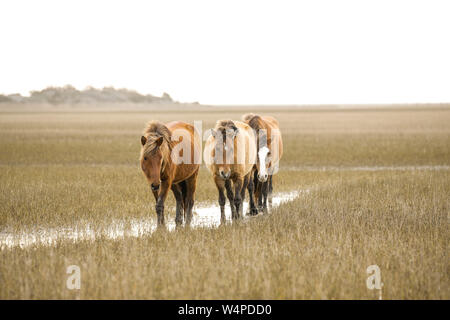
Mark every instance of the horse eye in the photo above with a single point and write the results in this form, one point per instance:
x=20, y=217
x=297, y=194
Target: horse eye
x=145, y=158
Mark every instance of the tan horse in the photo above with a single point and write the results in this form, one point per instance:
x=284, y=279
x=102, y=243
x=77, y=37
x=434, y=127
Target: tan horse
x=230, y=154
x=270, y=151
x=169, y=163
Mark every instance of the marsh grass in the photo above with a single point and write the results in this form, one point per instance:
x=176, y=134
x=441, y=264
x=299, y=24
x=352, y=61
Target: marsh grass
x=60, y=169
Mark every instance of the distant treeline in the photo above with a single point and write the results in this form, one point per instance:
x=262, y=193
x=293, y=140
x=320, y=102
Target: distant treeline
x=70, y=95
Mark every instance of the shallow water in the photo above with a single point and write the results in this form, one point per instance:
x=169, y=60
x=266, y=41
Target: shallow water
x=206, y=215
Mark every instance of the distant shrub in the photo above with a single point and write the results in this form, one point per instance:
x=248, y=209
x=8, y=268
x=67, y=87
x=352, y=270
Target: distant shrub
x=4, y=98
x=70, y=95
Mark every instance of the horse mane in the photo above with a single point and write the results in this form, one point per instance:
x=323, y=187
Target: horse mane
x=257, y=123
x=153, y=130
x=247, y=116
x=158, y=127
x=223, y=125
x=254, y=121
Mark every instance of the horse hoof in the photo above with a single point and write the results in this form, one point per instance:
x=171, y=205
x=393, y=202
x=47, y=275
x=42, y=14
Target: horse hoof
x=253, y=211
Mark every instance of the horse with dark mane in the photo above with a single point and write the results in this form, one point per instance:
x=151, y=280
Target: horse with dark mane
x=270, y=150
x=230, y=154
x=171, y=164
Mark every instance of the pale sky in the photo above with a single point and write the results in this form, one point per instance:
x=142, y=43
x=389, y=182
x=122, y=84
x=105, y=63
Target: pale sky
x=232, y=52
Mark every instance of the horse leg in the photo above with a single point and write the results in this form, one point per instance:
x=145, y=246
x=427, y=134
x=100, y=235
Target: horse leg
x=220, y=184
x=264, y=191
x=255, y=185
x=230, y=197
x=182, y=185
x=176, y=189
x=259, y=194
x=251, y=188
x=244, y=187
x=238, y=184
x=164, y=188
x=155, y=194
x=191, y=184
x=270, y=191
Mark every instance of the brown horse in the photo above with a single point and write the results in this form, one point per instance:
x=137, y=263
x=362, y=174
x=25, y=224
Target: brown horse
x=230, y=154
x=170, y=164
x=270, y=150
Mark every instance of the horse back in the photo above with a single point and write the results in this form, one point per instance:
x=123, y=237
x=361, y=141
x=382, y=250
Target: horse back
x=273, y=124
x=271, y=121
x=250, y=149
x=192, y=143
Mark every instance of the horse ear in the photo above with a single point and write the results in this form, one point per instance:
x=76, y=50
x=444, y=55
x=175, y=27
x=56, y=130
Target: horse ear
x=213, y=132
x=143, y=140
x=159, y=141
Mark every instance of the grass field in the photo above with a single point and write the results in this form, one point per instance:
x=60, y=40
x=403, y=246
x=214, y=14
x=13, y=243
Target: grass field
x=378, y=182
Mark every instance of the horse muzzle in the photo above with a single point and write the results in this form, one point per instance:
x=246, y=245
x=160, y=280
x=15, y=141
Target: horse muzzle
x=155, y=187
x=225, y=175
x=263, y=178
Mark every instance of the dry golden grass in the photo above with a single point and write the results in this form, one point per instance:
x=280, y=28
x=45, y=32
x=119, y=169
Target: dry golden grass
x=62, y=169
